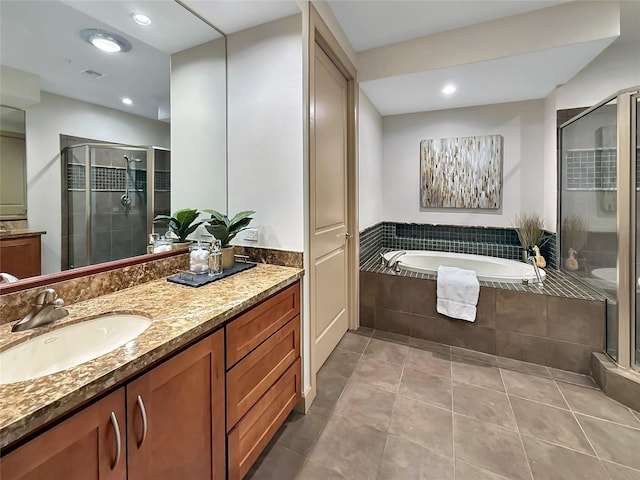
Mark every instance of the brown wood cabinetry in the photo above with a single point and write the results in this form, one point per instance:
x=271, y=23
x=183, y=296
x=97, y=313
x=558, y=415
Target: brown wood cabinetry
x=20, y=256
x=263, y=380
x=83, y=447
x=174, y=428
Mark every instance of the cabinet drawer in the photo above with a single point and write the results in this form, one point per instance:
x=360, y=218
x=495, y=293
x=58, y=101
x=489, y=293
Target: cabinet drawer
x=252, y=434
x=249, y=330
x=256, y=373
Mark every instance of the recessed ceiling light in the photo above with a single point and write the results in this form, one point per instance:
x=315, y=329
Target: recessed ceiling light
x=141, y=19
x=105, y=41
x=449, y=89
x=127, y=101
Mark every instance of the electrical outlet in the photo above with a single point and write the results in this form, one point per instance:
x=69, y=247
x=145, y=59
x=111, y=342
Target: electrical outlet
x=251, y=234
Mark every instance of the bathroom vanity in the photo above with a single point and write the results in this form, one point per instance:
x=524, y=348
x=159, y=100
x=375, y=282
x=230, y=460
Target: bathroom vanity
x=158, y=407
x=20, y=252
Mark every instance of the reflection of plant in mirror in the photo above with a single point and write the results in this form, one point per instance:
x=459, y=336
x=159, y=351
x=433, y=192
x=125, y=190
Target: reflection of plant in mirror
x=574, y=232
x=530, y=229
x=182, y=223
x=224, y=229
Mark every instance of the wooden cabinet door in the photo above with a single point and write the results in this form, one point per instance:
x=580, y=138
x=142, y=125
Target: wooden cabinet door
x=20, y=256
x=176, y=416
x=83, y=447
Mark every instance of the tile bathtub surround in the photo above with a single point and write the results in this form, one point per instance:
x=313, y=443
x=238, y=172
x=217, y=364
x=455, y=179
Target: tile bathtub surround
x=502, y=421
x=547, y=330
x=15, y=305
x=180, y=316
x=495, y=242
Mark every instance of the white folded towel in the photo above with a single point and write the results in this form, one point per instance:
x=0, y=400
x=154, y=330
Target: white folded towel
x=458, y=291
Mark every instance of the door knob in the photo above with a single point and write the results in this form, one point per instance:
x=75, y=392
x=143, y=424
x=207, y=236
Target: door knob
x=348, y=236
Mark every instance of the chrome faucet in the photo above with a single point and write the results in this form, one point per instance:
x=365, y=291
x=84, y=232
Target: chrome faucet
x=532, y=261
x=47, y=308
x=393, y=262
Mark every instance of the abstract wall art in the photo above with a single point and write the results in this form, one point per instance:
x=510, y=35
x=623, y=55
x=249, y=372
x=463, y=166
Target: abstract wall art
x=461, y=172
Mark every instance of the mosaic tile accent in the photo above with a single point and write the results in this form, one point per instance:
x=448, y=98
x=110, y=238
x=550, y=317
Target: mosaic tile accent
x=557, y=283
x=489, y=241
x=591, y=169
x=113, y=178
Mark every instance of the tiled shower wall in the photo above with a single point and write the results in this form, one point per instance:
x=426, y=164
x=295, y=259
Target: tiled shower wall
x=493, y=242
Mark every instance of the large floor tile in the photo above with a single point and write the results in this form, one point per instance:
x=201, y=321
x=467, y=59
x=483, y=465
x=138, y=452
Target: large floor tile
x=464, y=471
x=350, y=448
x=378, y=373
x=425, y=387
x=550, y=462
x=301, y=432
x=618, y=472
x=279, y=464
x=314, y=471
x=386, y=351
x=409, y=461
x=392, y=337
x=533, y=387
x=429, y=346
x=364, y=331
x=524, y=367
x=353, y=343
x=476, y=373
x=426, y=425
x=597, y=404
x=329, y=387
x=490, y=447
x=474, y=355
x=613, y=442
x=572, y=377
x=483, y=404
x=433, y=363
x=341, y=362
x=553, y=424
x=366, y=404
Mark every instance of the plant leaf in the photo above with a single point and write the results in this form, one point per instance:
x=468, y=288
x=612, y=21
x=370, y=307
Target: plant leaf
x=240, y=216
x=220, y=217
x=161, y=219
x=221, y=232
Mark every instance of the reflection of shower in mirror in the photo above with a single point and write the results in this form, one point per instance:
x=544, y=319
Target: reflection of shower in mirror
x=126, y=198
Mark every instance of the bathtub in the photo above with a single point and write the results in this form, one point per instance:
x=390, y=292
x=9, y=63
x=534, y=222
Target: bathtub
x=488, y=269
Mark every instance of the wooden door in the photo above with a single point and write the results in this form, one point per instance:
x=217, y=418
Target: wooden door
x=175, y=426
x=83, y=447
x=329, y=208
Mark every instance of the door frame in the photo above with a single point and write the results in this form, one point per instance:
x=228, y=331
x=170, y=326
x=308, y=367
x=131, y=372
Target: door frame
x=320, y=36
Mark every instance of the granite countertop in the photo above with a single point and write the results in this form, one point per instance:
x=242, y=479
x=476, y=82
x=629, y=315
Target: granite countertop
x=20, y=232
x=180, y=314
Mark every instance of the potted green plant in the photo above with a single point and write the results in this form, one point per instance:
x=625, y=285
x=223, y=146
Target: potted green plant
x=182, y=224
x=225, y=230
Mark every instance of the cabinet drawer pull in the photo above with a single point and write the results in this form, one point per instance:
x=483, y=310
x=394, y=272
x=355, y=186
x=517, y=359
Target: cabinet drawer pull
x=143, y=412
x=116, y=430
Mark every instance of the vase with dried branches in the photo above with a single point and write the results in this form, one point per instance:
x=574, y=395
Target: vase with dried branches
x=530, y=229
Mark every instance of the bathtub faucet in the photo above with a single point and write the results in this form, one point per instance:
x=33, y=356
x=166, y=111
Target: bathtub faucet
x=394, y=261
x=532, y=261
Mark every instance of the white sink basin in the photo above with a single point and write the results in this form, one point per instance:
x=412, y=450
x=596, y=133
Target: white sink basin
x=69, y=346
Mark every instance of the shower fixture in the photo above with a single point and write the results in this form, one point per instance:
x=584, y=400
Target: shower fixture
x=126, y=199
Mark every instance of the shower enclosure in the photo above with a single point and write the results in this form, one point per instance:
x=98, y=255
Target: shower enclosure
x=108, y=214
x=597, y=213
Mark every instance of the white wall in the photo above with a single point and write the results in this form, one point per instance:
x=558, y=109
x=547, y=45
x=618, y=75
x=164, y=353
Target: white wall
x=265, y=128
x=370, y=164
x=198, y=128
x=45, y=122
x=521, y=125
x=617, y=68
x=550, y=167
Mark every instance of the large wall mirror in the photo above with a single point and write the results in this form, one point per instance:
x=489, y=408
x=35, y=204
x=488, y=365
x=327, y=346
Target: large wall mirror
x=112, y=137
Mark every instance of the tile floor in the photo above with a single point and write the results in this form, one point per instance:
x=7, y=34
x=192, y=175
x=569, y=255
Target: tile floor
x=394, y=408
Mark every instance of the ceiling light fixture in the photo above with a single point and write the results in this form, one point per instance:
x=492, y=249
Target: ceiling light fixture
x=141, y=19
x=105, y=41
x=127, y=101
x=449, y=89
